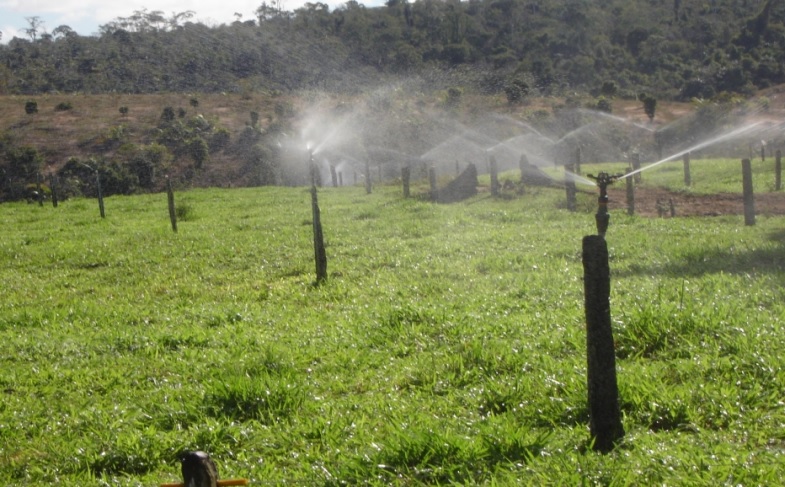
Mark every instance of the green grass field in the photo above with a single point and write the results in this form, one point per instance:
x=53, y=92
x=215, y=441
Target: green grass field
x=447, y=345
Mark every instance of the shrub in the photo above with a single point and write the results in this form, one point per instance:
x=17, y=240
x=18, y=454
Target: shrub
x=516, y=91
x=31, y=107
x=454, y=96
x=604, y=105
x=64, y=106
x=167, y=115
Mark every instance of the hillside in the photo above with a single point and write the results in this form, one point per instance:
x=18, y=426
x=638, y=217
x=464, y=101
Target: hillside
x=258, y=139
x=674, y=50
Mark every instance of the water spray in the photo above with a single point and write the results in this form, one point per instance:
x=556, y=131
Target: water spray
x=603, y=179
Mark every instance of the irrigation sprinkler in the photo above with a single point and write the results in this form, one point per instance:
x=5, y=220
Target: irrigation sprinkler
x=603, y=179
x=603, y=390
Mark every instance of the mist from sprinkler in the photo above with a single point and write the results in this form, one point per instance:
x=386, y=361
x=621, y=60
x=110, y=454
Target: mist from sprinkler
x=602, y=218
x=720, y=138
x=615, y=118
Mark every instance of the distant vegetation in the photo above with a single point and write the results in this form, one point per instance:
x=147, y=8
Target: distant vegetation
x=454, y=58
x=670, y=49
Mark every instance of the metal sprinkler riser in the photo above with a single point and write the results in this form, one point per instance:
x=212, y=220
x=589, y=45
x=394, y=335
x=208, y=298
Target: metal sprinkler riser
x=602, y=217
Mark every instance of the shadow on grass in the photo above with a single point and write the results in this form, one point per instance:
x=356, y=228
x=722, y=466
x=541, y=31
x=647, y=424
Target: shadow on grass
x=714, y=261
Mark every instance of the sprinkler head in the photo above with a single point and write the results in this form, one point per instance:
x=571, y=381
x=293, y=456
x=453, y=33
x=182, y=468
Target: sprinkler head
x=602, y=218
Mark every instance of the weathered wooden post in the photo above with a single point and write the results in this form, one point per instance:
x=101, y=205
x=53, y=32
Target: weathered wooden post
x=569, y=187
x=199, y=470
x=578, y=156
x=334, y=176
x=53, y=187
x=367, y=177
x=523, y=164
x=630, y=187
x=320, y=254
x=749, y=199
x=687, y=176
x=763, y=152
x=636, y=165
x=494, y=176
x=100, y=194
x=406, y=175
x=39, y=189
x=432, y=182
x=170, y=201
x=604, y=412
x=778, y=170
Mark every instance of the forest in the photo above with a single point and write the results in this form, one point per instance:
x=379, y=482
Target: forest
x=674, y=49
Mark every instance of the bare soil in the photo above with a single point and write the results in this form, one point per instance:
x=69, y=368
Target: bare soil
x=654, y=202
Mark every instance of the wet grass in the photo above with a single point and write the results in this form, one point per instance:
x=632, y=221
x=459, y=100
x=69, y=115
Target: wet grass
x=447, y=345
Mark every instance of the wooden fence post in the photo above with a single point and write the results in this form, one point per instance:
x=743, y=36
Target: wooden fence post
x=605, y=424
x=320, y=255
x=100, y=194
x=749, y=198
x=367, y=177
x=578, y=156
x=432, y=182
x=170, y=200
x=494, y=176
x=406, y=175
x=636, y=165
x=523, y=163
x=569, y=187
x=53, y=187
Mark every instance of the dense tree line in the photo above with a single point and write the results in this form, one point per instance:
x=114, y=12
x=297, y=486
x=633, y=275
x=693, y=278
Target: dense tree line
x=677, y=49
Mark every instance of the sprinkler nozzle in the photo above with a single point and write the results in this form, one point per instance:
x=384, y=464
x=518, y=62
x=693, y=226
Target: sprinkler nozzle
x=602, y=217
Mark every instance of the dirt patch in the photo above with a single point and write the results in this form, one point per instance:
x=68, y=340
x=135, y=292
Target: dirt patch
x=654, y=202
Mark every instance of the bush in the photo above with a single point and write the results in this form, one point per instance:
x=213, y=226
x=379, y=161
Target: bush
x=64, y=106
x=454, y=96
x=604, y=105
x=516, y=91
x=31, y=107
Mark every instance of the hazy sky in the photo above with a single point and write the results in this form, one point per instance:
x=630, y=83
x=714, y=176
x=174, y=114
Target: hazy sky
x=84, y=16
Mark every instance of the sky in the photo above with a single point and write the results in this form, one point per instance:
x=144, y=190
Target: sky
x=85, y=16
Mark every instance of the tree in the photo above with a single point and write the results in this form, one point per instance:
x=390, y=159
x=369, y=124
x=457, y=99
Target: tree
x=34, y=26
x=649, y=105
x=23, y=163
x=199, y=151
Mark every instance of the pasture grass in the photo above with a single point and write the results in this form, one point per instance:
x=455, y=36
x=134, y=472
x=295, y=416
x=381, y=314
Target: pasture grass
x=447, y=345
x=707, y=176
